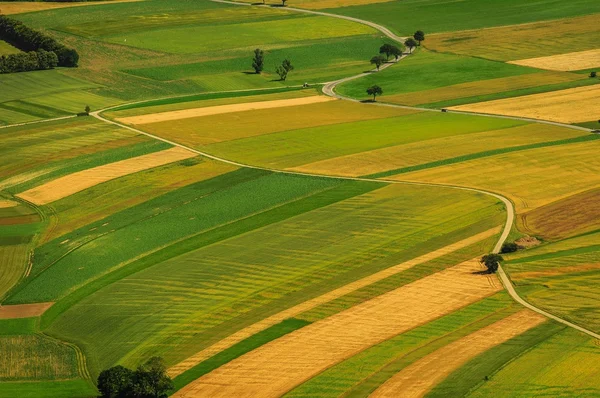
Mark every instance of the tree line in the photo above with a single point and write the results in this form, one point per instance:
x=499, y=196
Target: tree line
x=149, y=380
x=40, y=50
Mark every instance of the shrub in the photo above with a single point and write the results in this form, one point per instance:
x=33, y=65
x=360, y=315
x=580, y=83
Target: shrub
x=492, y=262
x=509, y=247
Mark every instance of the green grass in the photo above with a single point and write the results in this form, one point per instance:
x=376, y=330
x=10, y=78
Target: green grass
x=364, y=372
x=297, y=147
x=7, y=49
x=18, y=326
x=435, y=17
x=237, y=350
x=185, y=303
x=77, y=388
x=426, y=70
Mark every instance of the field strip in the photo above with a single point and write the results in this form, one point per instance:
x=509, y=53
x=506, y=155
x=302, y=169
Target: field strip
x=76, y=182
x=418, y=378
x=573, y=105
x=221, y=109
x=4, y=204
x=38, y=121
x=312, y=303
x=23, y=310
x=19, y=7
x=276, y=367
x=564, y=62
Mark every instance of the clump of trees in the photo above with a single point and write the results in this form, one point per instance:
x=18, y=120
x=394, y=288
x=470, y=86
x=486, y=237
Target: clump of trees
x=47, y=52
x=492, y=262
x=410, y=43
x=375, y=91
x=148, y=380
x=509, y=247
x=419, y=36
x=285, y=68
x=390, y=49
x=258, y=62
x=377, y=60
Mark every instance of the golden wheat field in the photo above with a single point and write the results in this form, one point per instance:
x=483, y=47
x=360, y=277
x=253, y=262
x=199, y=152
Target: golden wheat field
x=564, y=62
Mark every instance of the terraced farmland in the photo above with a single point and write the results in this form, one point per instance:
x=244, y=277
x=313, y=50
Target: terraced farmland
x=264, y=238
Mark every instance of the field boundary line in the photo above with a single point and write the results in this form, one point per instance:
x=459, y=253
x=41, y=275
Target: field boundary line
x=38, y=121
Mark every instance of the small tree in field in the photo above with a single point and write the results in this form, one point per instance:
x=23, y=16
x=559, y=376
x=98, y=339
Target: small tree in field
x=509, y=247
x=88, y=109
x=374, y=91
x=419, y=36
x=377, y=60
x=593, y=74
x=283, y=2
x=410, y=43
x=285, y=68
x=258, y=62
x=492, y=262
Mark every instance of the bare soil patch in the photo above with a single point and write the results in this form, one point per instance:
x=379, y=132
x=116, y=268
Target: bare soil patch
x=23, y=310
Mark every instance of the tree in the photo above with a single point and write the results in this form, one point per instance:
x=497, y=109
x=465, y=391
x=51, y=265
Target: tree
x=593, y=74
x=419, y=36
x=387, y=50
x=492, y=262
x=87, y=109
x=283, y=2
x=410, y=43
x=509, y=247
x=115, y=382
x=396, y=52
x=374, y=91
x=377, y=61
x=285, y=68
x=258, y=62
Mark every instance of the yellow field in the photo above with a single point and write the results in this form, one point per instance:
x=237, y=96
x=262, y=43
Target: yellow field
x=23, y=310
x=564, y=62
x=573, y=105
x=14, y=263
x=76, y=182
x=327, y=297
x=571, y=216
x=259, y=122
x=531, y=178
x=509, y=43
x=222, y=109
x=282, y=364
x=19, y=7
x=418, y=378
x=483, y=87
x=396, y=157
x=7, y=203
x=322, y=4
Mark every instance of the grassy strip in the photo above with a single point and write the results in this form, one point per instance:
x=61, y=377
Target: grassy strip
x=77, y=388
x=336, y=194
x=237, y=350
x=509, y=94
x=477, y=371
x=562, y=253
x=471, y=156
x=203, y=96
x=18, y=326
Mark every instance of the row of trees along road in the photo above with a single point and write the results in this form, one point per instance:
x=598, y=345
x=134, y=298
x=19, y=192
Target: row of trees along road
x=258, y=64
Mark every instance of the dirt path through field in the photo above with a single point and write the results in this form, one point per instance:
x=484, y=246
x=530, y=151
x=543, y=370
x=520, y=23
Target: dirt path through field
x=329, y=296
x=275, y=368
x=76, y=182
x=23, y=310
x=221, y=109
x=418, y=378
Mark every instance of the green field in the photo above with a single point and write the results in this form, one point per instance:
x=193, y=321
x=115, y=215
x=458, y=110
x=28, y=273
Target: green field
x=7, y=49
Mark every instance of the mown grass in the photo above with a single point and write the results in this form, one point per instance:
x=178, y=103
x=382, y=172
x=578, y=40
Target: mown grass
x=363, y=373
x=18, y=326
x=209, y=293
x=77, y=388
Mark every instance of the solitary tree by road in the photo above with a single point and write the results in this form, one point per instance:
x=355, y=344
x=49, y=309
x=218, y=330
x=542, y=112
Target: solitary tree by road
x=492, y=262
x=410, y=43
x=377, y=60
x=87, y=109
x=374, y=91
x=258, y=62
x=419, y=36
x=285, y=68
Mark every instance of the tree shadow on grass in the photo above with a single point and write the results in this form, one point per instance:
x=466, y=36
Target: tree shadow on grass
x=482, y=272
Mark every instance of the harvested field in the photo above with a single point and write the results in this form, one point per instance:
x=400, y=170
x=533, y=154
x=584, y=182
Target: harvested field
x=571, y=216
x=506, y=43
x=221, y=109
x=14, y=263
x=23, y=310
x=568, y=169
x=438, y=149
x=564, y=62
x=483, y=87
x=277, y=367
x=583, y=104
x=417, y=379
x=76, y=182
x=312, y=303
x=4, y=204
x=20, y=7
x=323, y=4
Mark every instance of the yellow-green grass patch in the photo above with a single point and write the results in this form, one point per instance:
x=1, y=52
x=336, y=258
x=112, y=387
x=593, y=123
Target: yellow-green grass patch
x=531, y=178
x=438, y=149
x=7, y=49
x=20, y=7
x=14, y=263
x=197, y=132
x=322, y=4
x=564, y=62
x=507, y=43
x=571, y=216
x=482, y=87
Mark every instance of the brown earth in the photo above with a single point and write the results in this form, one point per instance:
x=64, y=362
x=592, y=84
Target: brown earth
x=23, y=310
